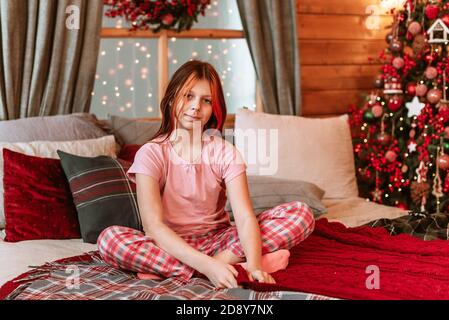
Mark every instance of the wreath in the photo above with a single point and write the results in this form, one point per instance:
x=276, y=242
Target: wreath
x=156, y=15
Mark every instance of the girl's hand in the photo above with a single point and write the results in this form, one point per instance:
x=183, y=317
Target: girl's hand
x=221, y=274
x=260, y=276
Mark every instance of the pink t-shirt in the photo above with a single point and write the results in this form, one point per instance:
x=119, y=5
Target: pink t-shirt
x=193, y=194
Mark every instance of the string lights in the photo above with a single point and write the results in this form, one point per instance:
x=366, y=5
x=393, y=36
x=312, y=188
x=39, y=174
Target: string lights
x=126, y=80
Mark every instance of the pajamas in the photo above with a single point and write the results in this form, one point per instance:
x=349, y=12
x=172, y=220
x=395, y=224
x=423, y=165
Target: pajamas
x=281, y=227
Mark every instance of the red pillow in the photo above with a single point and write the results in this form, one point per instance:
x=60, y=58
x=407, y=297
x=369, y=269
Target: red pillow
x=128, y=151
x=38, y=201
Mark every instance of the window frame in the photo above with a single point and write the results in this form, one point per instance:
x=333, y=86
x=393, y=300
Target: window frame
x=163, y=37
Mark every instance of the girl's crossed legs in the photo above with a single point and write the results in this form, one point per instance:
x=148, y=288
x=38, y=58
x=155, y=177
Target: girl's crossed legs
x=281, y=227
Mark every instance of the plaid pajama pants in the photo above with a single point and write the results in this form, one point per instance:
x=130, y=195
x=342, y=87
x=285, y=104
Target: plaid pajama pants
x=281, y=227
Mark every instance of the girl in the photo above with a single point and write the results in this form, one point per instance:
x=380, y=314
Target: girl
x=182, y=176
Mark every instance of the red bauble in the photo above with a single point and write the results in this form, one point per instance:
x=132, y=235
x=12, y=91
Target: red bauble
x=384, y=138
x=443, y=162
x=168, y=19
x=394, y=103
x=445, y=19
x=402, y=206
x=432, y=11
x=390, y=156
x=411, y=89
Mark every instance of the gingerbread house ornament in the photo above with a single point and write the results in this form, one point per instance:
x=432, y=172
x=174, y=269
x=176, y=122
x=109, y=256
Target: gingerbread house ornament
x=438, y=32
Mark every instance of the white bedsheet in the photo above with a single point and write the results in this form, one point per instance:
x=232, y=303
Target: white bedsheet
x=16, y=257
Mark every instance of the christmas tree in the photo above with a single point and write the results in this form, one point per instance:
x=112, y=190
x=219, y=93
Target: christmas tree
x=401, y=130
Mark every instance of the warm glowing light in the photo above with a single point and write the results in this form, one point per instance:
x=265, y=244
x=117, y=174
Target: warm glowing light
x=388, y=5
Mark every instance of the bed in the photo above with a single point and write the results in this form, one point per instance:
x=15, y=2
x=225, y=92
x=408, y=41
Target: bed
x=322, y=147
x=21, y=256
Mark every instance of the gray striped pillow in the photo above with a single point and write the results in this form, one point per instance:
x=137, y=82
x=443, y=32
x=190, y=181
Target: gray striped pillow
x=267, y=192
x=102, y=193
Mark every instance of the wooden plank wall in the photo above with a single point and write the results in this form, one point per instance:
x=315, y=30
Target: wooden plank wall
x=335, y=45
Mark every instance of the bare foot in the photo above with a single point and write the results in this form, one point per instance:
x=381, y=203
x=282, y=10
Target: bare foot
x=274, y=261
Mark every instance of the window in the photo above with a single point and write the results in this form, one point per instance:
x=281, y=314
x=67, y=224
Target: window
x=134, y=67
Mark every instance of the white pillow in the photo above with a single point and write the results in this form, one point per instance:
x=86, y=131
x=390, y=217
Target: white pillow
x=315, y=150
x=47, y=149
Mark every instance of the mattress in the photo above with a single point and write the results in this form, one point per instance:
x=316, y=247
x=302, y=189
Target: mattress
x=16, y=257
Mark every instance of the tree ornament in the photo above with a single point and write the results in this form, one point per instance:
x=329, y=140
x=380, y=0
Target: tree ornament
x=421, y=171
x=446, y=146
x=445, y=19
x=414, y=28
x=412, y=147
x=431, y=73
x=368, y=116
x=394, y=103
x=167, y=19
x=414, y=107
x=384, y=138
x=404, y=168
x=379, y=82
x=392, y=86
x=377, y=110
x=377, y=195
x=389, y=37
x=391, y=156
x=396, y=45
x=443, y=160
x=420, y=189
x=434, y=95
x=437, y=185
x=411, y=89
x=438, y=32
x=398, y=63
x=443, y=105
x=437, y=190
x=421, y=90
x=432, y=11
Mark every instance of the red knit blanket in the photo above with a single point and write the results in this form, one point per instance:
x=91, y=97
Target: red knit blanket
x=343, y=262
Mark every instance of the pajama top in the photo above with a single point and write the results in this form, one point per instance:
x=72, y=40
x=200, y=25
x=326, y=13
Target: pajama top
x=193, y=194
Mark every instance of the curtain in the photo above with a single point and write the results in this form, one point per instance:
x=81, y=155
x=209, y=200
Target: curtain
x=271, y=32
x=48, y=56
